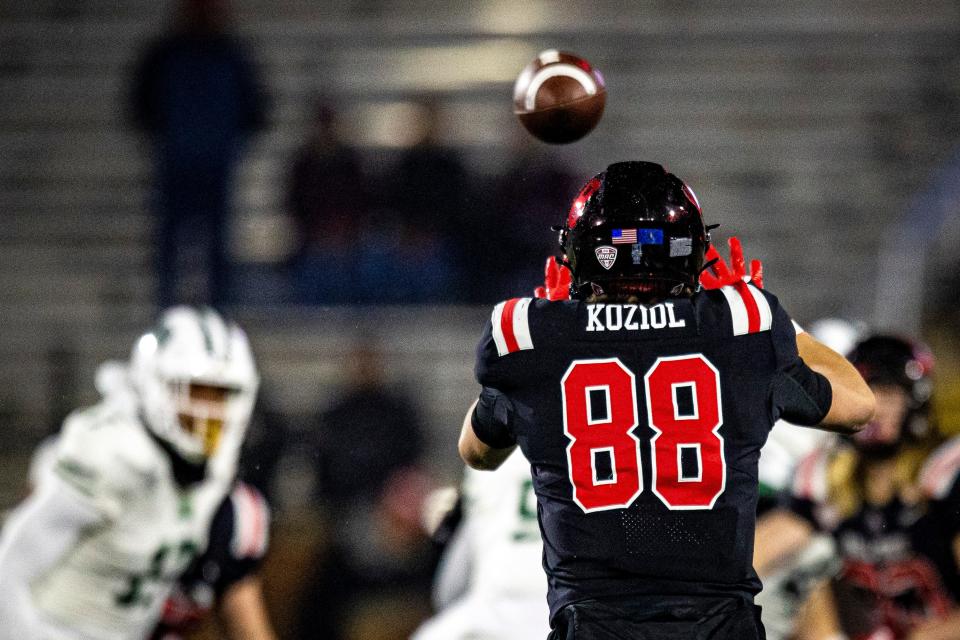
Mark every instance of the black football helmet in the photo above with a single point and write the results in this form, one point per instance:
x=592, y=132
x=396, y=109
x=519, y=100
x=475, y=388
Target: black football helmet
x=892, y=360
x=634, y=230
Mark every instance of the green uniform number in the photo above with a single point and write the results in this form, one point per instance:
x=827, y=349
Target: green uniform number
x=179, y=556
x=527, y=529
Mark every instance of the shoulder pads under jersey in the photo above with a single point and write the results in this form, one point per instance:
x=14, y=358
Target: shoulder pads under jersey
x=510, y=326
x=750, y=308
x=107, y=456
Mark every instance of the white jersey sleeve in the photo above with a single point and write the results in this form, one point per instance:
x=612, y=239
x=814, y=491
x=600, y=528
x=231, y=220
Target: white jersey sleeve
x=501, y=518
x=941, y=471
x=786, y=446
x=453, y=573
x=35, y=537
x=499, y=541
x=143, y=532
x=100, y=454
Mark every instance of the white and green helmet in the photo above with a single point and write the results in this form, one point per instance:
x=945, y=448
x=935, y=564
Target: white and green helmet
x=191, y=346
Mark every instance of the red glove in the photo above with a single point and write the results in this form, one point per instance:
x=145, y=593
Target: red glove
x=556, y=282
x=723, y=275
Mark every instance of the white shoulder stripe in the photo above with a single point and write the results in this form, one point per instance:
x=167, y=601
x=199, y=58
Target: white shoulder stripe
x=511, y=326
x=521, y=324
x=766, y=315
x=738, y=310
x=498, y=338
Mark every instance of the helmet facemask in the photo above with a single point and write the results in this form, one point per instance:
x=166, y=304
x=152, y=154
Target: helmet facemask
x=196, y=383
x=202, y=412
x=900, y=373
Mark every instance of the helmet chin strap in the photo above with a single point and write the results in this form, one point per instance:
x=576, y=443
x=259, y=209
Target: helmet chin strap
x=185, y=472
x=707, y=265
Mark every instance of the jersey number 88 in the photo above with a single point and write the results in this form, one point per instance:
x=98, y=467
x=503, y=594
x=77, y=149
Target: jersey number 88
x=688, y=470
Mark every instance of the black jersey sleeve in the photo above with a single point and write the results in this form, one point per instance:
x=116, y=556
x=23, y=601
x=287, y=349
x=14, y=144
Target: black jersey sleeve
x=783, y=332
x=492, y=419
x=505, y=353
x=939, y=481
x=489, y=370
x=505, y=359
x=798, y=394
x=239, y=537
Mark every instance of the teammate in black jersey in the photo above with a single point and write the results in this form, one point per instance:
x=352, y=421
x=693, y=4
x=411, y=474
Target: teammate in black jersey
x=225, y=578
x=642, y=404
x=890, y=505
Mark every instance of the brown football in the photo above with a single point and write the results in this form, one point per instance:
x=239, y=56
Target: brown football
x=559, y=97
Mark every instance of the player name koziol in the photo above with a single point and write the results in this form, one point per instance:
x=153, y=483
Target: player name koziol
x=632, y=317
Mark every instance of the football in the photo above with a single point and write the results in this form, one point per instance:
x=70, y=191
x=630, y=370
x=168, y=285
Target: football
x=559, y=97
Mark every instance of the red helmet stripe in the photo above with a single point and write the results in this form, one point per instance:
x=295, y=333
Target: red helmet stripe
x=576, y=209
x=692, y=197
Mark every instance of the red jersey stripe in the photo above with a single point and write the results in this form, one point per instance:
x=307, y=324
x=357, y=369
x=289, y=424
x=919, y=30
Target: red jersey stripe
x=506, y=325
x=753, y=312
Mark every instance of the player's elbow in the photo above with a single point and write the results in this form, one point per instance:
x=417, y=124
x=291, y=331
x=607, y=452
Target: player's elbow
x=862, y=404
x=864, y=408
x=475, y=455
x=479, y=463
x=851, y=410
x=479, y=455
x=468, y=455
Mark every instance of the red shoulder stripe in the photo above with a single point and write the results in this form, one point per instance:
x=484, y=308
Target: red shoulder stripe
x=506, y=325
x=753, y=312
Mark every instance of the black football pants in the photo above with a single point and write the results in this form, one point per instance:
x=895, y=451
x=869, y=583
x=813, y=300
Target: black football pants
x=668, y=618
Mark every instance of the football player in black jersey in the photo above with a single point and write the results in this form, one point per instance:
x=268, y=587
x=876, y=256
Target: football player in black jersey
x=224, y=580
x=642, y=404
x=891, y=507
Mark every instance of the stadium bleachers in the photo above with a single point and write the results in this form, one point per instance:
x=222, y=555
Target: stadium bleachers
x=803, y=129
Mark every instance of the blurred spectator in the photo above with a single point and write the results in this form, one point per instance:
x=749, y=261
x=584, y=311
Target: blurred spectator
x=431, y=191
x=532, y=195
x=374, y=582
x=265, y=444
x=327, y=196
x=195, y=93
x=366, y=436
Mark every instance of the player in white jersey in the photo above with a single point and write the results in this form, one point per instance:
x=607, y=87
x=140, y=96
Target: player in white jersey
x=787, y=445
x=490, y=583
x=133, y=482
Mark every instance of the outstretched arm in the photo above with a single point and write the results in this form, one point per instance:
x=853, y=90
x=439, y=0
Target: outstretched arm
x=853, y=403
x=243, y=613
x=779, y=534
x=477, y=453
x=35, y=538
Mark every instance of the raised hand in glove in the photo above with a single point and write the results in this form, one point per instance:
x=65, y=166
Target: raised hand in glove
x=722, y=275
x=556, y=282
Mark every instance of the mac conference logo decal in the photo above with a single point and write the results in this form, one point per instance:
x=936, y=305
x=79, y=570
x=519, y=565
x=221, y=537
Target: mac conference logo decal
x=606, y=256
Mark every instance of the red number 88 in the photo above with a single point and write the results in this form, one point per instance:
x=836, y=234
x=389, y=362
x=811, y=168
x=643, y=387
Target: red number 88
x=611, y=432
